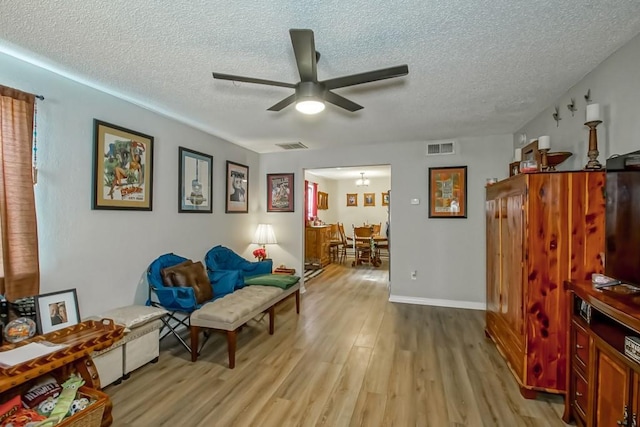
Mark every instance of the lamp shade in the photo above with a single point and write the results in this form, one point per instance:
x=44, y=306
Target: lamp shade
x=264, y=235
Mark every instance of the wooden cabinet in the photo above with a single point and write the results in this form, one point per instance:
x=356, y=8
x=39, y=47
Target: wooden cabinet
x=605, y=386
x=316, y=246
x=542, y=229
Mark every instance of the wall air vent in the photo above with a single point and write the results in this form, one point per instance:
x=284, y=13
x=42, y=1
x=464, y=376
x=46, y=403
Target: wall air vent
x=292, y=146
x=442, y=147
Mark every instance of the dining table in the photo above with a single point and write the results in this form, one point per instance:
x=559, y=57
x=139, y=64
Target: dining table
x=374, y=253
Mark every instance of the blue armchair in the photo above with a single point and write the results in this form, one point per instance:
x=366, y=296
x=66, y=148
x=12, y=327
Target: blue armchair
x=221, y=258
x=181, y=301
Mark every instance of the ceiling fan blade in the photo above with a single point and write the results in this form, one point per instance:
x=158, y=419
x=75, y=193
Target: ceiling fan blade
x=341, y=101
x=369, y=76
x=251, y=80
x=285, y=102
x=305, y=50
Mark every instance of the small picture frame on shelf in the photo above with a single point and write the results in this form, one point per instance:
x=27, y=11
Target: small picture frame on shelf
x=531, y=154
x=57, y=310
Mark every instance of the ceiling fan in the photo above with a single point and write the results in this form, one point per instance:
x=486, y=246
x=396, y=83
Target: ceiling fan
x=310, y=93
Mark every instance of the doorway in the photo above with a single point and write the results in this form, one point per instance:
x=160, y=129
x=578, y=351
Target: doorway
x=354, y=196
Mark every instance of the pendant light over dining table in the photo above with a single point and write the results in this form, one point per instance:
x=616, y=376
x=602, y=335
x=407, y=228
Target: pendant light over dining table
x=362, y=181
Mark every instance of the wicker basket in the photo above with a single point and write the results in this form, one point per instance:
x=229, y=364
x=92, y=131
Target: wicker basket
x=91, y=416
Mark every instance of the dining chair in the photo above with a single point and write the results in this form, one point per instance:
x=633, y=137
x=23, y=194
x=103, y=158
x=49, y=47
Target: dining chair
x=345, y=242
x=335, y=242
x=362, y=244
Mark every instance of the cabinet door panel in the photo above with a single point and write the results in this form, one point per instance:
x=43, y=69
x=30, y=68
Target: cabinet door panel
x=512, y=239
x=613, y=380
x=492, y=212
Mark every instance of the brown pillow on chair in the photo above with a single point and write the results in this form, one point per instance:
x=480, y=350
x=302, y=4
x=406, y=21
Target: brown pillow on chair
x=193, y=275
x=166, y=280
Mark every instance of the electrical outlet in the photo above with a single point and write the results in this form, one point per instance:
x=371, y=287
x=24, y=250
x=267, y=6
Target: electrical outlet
x=414, y=275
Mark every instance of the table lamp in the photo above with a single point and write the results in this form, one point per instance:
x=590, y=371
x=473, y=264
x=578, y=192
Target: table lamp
x=264, y=236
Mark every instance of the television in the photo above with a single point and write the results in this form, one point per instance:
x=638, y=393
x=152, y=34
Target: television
x=622, y=219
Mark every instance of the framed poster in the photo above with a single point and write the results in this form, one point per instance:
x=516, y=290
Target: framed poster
x=122, y=168
x=448, y=192
x=369, y=199
x=385, y=198
x=195, y=181
x=352, y=199
x=237, y=193
x=280, y=192
x=57, y=310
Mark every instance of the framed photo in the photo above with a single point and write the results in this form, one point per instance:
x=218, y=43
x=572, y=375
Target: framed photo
x=122, y=168
x=323, y=200
x=530, y=152
x=280, y=192
x=57, y=310
x=237, y=193
x=195, y=182
x=448, y=192
x=385, y=198
x=352, y=199
x=369, y=199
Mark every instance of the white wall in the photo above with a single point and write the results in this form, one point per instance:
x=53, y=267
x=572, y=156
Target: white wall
x=448, y=254
x=615, y=85
x=104, y=254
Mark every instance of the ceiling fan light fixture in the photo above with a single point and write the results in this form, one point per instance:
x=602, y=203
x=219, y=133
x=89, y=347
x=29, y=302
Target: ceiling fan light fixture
x=310, y=106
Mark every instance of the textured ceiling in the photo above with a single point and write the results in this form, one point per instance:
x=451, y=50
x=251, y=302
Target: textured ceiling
x=476, y=67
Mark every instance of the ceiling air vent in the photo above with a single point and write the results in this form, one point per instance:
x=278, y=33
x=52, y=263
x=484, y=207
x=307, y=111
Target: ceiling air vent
x=292, y=146
x=438, y=148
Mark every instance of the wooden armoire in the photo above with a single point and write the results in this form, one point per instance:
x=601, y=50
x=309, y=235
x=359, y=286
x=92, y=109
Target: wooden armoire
x=542, y=229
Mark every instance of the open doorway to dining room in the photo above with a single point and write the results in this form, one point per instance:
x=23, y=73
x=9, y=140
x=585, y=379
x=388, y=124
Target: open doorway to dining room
x=358, y=199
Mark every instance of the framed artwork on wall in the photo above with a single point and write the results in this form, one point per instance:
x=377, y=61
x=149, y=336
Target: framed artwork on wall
x=385, y=198
x=323, y=200
x=195, y=181
x=57, y=310
x=280, y=194
x=448, y=192
x=122, y=168
x=237, y=192
x=369, y=199
x=352, y=199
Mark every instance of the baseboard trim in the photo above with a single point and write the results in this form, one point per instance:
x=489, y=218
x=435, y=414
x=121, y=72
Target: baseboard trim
x=438, y=302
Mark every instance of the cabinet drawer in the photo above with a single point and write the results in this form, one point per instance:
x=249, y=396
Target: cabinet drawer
x=580, y=346
x=580, y=396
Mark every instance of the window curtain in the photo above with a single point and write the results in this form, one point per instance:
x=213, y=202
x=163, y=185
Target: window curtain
x=314, y=201
x=20, y=264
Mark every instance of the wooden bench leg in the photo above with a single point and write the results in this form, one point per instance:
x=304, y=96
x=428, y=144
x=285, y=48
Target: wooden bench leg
x=231, y=347
x=298, y=301
x=272, y=319
x=195, y=333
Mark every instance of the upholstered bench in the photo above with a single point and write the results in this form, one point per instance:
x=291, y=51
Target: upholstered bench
x=232, y=311
x=138, y=346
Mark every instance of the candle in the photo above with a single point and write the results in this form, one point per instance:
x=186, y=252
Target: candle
x=593, y=112
x=544, y=142
x=518, y=155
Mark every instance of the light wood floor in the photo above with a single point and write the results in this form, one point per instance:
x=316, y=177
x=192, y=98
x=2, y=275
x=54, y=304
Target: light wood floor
x=350, y=358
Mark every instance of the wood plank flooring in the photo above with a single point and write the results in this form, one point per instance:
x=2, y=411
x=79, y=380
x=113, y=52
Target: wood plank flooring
x=351, y=358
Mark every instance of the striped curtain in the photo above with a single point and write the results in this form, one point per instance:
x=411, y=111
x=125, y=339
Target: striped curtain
x=19, y=261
